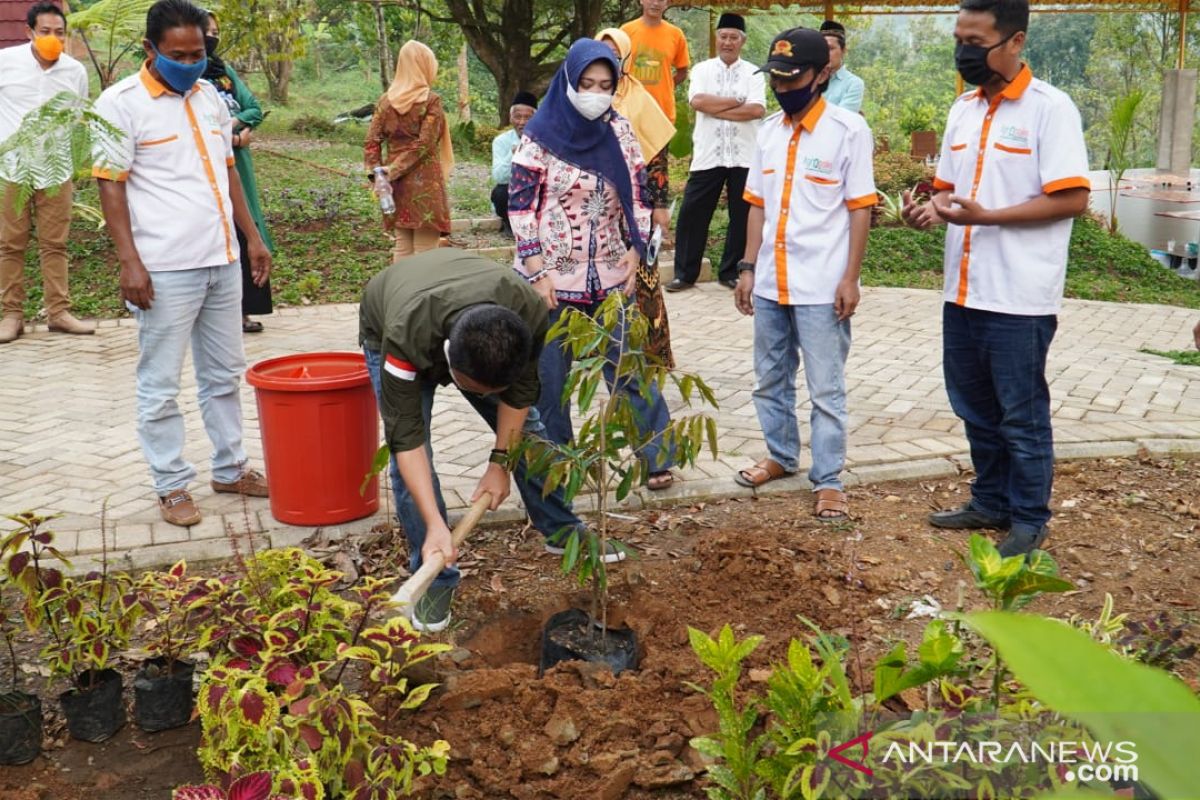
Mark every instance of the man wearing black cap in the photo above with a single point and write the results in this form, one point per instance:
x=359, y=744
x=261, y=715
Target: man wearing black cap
x=730, y=99
x=503, y=148
x=845, y=88
x=810, y=188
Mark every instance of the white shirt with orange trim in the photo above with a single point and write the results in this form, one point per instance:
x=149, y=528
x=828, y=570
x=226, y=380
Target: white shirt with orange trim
x=174, y=157
x=24, y=87
x=1026, y=142
x=807, y=179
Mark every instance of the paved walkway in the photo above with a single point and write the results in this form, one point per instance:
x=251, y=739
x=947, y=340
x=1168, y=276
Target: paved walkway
x=67, y=437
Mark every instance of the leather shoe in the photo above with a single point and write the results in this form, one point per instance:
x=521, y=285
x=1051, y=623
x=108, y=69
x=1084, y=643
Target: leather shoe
x=11, y=328
x=678, y=285
x=178, y=508
x=252, y=483
x=1022, y=541
x=967, y=518
x=728, y=283
x=65, y=322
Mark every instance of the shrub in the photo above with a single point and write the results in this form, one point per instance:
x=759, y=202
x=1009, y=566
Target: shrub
x=896, y=171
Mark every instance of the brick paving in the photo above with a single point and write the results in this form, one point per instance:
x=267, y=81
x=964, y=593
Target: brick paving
x=67, y=432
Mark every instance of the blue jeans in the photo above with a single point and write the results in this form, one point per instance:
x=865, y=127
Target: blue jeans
x=204, y=307
x=781, y=335
x=550, y=514
x=652, y=414
x=995, y=367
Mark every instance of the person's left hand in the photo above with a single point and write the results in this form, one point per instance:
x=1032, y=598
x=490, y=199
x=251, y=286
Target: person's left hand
x=260, y=262
x=243, y=137
x=1196, y=335
x=630, y=262
x=494, y=481
x=969, y=212
x=845, y=300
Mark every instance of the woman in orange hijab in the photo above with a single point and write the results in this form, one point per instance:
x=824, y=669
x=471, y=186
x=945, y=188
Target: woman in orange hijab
x=409, y=118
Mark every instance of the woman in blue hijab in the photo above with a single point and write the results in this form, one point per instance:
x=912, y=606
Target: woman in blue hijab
x=580, y=213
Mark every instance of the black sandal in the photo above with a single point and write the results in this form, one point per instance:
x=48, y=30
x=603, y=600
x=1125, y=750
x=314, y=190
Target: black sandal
x=657, y=481
x=252, y=326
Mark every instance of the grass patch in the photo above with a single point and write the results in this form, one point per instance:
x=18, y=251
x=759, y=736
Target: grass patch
x=1188, y=358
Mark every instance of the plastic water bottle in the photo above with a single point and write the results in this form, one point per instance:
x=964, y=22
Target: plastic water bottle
x=387, y=204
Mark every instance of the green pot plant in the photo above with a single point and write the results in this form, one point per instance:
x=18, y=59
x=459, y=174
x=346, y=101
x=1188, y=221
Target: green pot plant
x=20, y=711
x=87, y=620
x=175, y=606
x=608, y=458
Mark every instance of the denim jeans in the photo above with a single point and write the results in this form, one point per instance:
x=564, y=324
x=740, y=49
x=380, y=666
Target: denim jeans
x=781, y=335
x=995, y=367
x=555, y=364
x=550, y=514
x=202, y=306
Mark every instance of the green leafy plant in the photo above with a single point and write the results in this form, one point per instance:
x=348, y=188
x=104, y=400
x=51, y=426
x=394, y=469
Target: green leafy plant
x=111, y=30
x=938, y=656
x=175, y=605
x=608, y=452
x=303, y=686
x=1014, y=582
x=896, y=171
x=55, y=143
x=1121, y=117
x=1161, y=642
x=1116, y=698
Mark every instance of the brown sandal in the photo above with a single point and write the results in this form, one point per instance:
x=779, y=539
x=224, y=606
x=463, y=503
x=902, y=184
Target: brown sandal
x=764, y=471
x=657, y=481
x=831, y=505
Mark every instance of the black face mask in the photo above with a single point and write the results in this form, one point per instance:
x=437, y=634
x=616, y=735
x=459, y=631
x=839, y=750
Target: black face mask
x=797, y=100
x=971, y=61
x=211, y=43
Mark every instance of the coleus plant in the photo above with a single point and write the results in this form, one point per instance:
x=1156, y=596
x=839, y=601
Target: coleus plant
x=255, y=786
x=175, y=605
x=88, y=619
x=275, y=698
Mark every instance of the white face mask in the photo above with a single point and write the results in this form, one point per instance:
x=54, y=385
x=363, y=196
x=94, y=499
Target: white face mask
x=591, y=105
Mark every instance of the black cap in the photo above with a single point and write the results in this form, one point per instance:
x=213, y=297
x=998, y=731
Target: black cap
x=525, y=99
x=796, y=50
x=735, y=21
x=832, y=28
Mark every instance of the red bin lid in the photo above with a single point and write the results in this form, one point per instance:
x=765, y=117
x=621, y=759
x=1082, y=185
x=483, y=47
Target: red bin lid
x=310, y=372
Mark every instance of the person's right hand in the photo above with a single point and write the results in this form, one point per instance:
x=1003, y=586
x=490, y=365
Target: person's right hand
x=382, y=184
x=743, y=294
x=439, y=540
x=1196, y=335
x=919, y=215
x=136, y=286
x=630, y=262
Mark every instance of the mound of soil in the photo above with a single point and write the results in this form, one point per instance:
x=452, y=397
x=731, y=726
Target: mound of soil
x=1126, y=527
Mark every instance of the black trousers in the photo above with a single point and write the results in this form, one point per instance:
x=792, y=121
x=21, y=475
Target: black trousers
x=255, y=299
x=700, y=200
x=500, y=204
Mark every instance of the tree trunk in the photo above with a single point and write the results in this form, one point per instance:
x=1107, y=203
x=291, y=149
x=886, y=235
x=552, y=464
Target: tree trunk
x=385, y=53
x=279, y=76
x=464, y=86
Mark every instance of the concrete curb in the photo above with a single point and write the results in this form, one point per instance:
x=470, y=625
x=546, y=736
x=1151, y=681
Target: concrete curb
x=152, y=551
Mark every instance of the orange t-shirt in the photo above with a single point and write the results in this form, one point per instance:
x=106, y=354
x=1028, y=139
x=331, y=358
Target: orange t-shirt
x=657, y=52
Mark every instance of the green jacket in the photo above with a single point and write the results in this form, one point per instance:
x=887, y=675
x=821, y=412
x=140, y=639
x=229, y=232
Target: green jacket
x=251, y=116
x=406, y=314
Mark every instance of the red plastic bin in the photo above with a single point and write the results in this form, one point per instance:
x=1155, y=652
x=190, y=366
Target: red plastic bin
x=320, y=432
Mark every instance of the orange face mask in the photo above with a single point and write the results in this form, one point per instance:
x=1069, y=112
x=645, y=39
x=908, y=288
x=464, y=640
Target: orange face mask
x=48, y=47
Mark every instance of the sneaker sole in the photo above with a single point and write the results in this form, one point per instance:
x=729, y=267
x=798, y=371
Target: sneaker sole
x=611, y=558
x=430, y=627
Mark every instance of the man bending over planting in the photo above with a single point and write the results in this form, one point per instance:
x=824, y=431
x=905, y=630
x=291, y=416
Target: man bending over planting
x=446, y=316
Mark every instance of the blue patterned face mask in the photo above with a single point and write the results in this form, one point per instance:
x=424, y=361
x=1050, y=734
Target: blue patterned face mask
x=179, y=76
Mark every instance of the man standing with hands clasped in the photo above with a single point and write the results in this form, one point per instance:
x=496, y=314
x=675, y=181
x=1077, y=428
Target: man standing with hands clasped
x=1011, y=178
x=810, y=189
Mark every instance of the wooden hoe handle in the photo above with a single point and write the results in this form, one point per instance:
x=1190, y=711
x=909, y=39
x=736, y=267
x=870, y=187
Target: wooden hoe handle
x=418, y=583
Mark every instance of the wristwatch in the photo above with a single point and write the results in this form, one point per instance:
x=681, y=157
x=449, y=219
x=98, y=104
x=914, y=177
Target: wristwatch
x=499, y=456
x=745, y=266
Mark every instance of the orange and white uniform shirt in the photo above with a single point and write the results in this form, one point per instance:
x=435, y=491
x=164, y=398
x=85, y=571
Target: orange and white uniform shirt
x=173, y=155
x=1026, y=142
x=807, y=178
